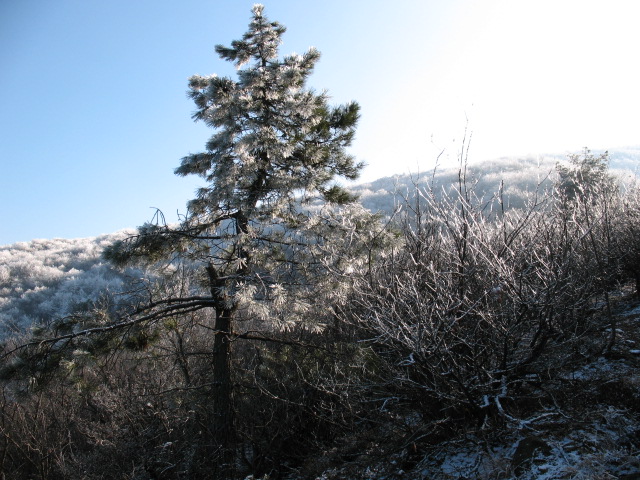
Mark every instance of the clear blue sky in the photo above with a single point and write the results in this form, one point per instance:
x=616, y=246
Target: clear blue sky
x=94, y=116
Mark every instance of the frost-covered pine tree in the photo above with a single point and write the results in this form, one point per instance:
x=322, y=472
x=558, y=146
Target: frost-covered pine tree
x=269, y=254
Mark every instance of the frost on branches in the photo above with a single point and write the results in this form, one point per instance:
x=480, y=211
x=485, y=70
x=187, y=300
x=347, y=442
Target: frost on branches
x=273, y=237
x=277, y=147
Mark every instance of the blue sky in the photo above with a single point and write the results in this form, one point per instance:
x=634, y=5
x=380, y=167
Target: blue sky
x=94, y=114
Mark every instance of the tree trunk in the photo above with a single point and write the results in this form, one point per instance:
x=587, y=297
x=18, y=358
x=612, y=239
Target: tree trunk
x=223, y=430
x=222, y=424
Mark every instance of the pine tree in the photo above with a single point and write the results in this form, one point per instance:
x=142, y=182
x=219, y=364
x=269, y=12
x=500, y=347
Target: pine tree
x=254, y=231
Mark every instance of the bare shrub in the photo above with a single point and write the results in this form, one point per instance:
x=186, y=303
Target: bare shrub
x=141, y=407
x=626, y=232
x=481, y=300
x=98, y=412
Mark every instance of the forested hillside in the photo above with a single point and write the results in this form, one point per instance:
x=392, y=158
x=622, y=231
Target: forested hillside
x=517, y=179
x=43, y=280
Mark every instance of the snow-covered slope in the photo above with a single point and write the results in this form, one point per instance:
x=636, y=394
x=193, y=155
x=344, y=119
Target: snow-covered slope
x=46, y=279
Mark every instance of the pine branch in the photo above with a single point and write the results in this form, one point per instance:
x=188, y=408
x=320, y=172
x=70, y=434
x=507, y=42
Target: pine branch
x=170, y=310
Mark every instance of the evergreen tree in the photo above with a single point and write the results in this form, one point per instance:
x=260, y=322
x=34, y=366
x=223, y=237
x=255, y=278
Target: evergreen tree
x=262, y=254
x=585, y=178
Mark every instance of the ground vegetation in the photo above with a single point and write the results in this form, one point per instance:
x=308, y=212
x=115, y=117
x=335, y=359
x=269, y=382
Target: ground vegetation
x=282, y=330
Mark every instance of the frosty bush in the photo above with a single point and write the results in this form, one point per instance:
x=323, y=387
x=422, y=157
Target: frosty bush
x=479, y=298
